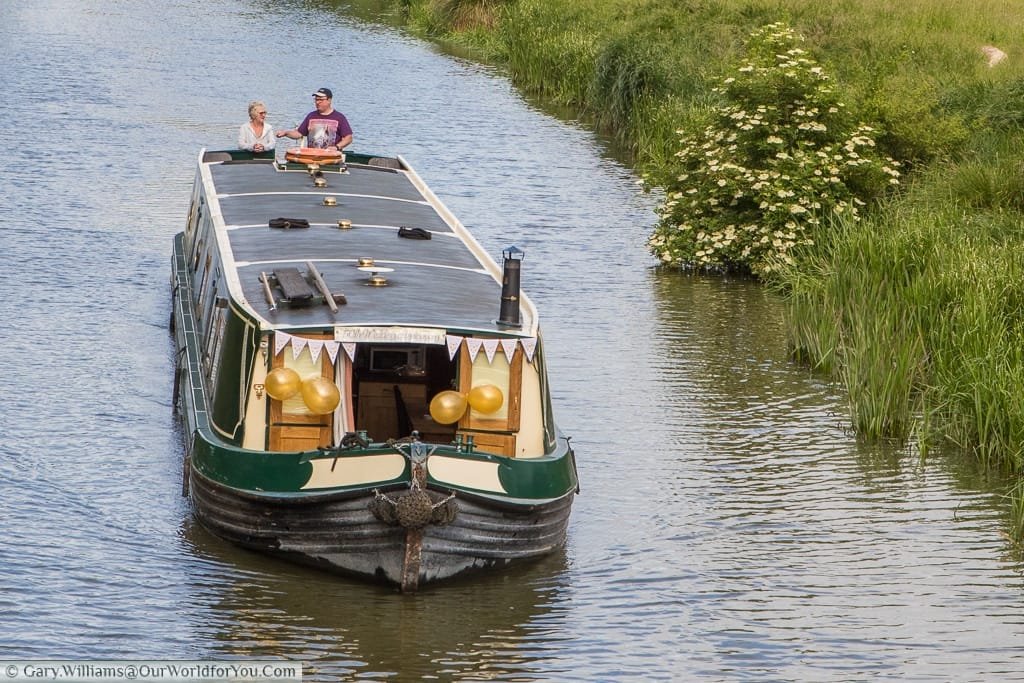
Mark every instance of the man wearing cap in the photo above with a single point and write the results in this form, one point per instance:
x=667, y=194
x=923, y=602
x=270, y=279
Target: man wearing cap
x=324, y=128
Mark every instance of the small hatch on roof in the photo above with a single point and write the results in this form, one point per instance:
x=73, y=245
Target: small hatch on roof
x=288, y=287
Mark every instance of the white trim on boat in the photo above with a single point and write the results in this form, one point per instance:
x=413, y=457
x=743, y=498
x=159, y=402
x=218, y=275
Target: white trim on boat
x=325, y=194
x=379, y=262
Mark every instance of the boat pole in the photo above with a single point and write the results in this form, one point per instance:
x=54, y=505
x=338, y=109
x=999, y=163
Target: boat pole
x=414, y=537
x=267, y=294
x=322, y=286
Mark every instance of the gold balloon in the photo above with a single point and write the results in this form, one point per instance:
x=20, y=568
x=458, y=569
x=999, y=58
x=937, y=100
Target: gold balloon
x=282, y=383
x=486, y=398
x=447, y=407
x=320, y=395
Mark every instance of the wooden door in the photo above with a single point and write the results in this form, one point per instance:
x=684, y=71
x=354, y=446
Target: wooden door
x=494, y=433
x=292, y=426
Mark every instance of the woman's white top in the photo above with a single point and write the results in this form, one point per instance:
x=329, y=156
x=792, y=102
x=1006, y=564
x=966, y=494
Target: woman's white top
x=247, y=137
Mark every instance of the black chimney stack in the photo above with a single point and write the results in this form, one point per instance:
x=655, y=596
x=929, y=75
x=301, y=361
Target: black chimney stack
x=509, y=316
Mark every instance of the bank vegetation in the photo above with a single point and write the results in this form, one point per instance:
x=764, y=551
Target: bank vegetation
x=899, y=249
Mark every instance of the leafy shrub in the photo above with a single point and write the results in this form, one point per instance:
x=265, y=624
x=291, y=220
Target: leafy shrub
x=626, y=75
x=780, y=156
x=918, y=129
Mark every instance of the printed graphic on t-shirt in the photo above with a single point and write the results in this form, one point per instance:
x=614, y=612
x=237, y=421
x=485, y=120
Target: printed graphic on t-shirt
x=322, y=133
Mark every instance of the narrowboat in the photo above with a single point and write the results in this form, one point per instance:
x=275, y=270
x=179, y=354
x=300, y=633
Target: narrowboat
x=362, y=387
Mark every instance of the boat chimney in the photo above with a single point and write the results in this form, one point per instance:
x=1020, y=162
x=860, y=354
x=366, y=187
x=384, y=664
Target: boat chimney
x=509, y=316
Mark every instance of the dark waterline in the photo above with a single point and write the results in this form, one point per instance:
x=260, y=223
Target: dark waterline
x=729, y=528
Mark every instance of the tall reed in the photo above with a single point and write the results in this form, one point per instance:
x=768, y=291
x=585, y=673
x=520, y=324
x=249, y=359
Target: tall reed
x=550, y=50
x=922, y=310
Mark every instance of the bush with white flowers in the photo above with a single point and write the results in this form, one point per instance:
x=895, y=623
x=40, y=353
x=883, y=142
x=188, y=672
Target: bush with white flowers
x=779, y=157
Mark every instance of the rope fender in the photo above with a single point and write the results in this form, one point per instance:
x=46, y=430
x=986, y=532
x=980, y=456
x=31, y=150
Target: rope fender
x=414, y=509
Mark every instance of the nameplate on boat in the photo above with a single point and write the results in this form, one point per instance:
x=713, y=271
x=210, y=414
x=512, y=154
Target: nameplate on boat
x=402, y=335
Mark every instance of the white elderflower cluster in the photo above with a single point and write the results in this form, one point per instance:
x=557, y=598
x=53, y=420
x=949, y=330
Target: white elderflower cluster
x=780, y=157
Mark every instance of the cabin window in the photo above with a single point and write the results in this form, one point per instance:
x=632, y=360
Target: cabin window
x=199, y=239
x=202, y=287
x=195, y=215
x=505, y=375
x=307, y=368
x=190, y=226
x=214, y=339
x=196, y=262
x=211, y=280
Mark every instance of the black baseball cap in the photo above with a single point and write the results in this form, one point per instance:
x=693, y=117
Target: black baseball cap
x=324, y=92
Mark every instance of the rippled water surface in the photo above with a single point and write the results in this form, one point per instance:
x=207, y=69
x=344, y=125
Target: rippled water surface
x=729, y=528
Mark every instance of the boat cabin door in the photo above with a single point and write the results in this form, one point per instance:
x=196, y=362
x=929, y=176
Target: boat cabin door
x=293, y=426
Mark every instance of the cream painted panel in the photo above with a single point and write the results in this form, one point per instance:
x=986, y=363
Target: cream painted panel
x=469, y=473
x=353, y=471
x=530, y=439
x=256, y=411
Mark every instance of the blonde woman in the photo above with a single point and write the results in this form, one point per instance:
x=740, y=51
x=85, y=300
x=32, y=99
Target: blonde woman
x=257, y=135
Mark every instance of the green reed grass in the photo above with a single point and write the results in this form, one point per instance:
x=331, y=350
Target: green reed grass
x=920, y=313
x=919, y=309
x=978, y=364
x=914, y=66
x=866, y=330
x=549, y=50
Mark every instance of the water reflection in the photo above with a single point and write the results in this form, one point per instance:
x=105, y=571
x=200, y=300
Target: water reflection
x=484, y=627
x=811, y=536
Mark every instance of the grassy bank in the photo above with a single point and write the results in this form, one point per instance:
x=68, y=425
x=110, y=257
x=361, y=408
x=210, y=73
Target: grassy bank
x=918, y=308
x=641, y=69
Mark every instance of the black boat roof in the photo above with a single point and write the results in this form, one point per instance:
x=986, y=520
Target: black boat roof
x=446, y=282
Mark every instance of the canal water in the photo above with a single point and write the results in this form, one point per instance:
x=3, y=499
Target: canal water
x=729, y=527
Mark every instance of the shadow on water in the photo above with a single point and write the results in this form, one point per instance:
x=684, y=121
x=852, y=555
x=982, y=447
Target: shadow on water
x=723, y=339
x=495, y=626
x=775, y=497
x=728, y=335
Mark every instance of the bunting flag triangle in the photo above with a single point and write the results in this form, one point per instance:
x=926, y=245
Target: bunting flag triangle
x=350, y=350
x=332, y=350
x=473, y=346
x=490, y=347
x=281, y=340
x=315, y=347
x=298, y=343
x=454, y=343
x=508, y=346
x=529, y=347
